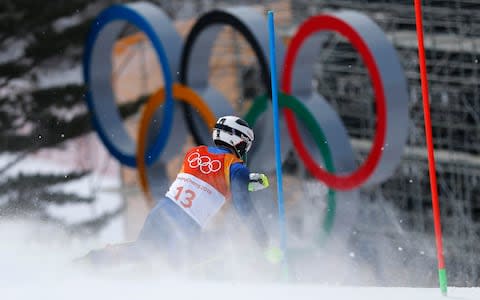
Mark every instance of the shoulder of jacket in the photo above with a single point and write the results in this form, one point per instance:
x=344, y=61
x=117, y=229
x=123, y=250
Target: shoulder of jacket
x=233, y=159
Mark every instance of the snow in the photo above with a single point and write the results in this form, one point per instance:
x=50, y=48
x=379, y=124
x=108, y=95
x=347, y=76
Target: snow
x=85, y=153
x=14, y=49
x=61, y=74
x=36, y=263
x=14, y=87
x=68, y=113
x=36, y=259
x=31, y=272
x=64, y=23
x=153, y=289
x=31, y=268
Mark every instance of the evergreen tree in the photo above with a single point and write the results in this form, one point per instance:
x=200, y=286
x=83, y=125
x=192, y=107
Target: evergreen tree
x=38, y=38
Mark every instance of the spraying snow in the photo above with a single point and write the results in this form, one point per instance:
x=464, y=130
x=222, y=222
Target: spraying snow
x=36, y=262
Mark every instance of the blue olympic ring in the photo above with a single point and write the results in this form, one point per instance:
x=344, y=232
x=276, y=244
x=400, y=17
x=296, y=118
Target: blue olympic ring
x=104, y=115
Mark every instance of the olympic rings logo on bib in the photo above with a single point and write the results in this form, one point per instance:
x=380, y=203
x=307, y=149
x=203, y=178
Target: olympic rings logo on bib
x=204, y=163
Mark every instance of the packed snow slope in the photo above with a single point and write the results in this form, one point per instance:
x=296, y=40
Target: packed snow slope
x=88, y=288
x=30, y=269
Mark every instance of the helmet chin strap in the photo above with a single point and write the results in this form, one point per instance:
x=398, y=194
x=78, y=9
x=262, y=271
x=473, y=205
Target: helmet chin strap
x=236, y=152
x=244, y=158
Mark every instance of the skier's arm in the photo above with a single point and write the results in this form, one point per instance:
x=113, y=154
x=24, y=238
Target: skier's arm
x=239, y=180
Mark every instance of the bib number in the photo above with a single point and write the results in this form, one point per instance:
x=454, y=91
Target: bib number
x=185, y=197
x=197, y=198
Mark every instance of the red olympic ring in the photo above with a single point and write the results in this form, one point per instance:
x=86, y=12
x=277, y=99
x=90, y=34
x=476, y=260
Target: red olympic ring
x=330, y=23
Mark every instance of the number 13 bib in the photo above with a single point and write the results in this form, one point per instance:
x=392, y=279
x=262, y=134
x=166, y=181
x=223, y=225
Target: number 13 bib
x=198, y=199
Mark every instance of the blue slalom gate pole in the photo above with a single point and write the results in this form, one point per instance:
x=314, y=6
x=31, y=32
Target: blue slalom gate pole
x=276, y=136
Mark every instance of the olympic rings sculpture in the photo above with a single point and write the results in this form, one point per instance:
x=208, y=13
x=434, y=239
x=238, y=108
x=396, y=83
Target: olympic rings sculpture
x=185, y=69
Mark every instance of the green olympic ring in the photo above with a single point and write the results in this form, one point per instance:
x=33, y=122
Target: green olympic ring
x=259, y=106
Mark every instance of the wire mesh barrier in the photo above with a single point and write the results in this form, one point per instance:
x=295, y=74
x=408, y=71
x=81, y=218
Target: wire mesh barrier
x=452, y=48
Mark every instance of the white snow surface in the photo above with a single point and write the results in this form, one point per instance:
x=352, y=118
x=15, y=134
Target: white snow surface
x=36, y=263
x=154, y=289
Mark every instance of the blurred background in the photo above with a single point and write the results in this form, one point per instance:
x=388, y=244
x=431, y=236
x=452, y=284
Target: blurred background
x=55, y=170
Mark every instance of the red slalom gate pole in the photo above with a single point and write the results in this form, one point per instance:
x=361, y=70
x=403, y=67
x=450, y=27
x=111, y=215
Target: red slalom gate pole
x=442, y=274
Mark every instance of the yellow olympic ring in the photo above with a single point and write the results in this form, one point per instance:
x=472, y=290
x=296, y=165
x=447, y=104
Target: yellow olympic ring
x=180, y=93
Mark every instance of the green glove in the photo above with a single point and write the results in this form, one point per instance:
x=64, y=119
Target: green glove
x=258, y=181
x=274, y=255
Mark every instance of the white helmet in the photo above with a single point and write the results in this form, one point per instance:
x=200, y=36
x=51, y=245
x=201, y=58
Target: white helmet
x=233, y=132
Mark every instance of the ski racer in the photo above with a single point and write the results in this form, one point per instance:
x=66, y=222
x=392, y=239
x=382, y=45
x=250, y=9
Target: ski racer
x=194, y=212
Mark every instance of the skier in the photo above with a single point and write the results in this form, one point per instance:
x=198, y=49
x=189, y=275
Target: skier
x=195, y=210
